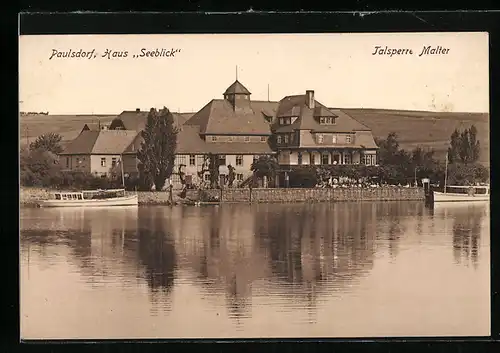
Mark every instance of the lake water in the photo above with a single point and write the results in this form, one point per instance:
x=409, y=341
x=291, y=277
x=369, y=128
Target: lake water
x=323, y=270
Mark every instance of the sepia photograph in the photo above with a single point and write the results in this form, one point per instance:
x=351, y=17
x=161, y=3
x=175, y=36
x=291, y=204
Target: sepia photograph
x=189, y=186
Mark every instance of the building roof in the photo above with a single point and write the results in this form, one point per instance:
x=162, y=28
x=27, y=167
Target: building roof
x=100, y=142
x=307, y=117
x=136, y=120
x=236, y=88
x=220, y=117
x=189, y=141
x=82, y=144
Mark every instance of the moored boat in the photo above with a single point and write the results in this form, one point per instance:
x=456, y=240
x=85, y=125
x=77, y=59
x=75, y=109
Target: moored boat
x=463, y=194
x=91, y=198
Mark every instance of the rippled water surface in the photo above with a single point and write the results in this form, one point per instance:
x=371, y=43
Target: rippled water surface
x=324, y=270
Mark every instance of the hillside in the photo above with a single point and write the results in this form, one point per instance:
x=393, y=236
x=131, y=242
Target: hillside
x=428, y=129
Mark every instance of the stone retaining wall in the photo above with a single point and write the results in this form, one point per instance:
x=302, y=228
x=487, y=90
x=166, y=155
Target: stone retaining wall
x=318, y=195
x=30, y=196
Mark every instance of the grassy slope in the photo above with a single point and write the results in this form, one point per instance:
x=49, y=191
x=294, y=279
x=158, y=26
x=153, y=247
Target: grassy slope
x=429, y=129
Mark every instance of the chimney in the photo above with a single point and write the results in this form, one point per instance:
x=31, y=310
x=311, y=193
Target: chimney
x=310, y=99
x=137, y=110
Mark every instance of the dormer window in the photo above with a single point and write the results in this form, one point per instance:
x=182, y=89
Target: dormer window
x=293, y=119
x=348, y=139
x=278, y=139
x=319, y=138
x=285, y=121
x=286, y=138
x=327, y=120
x=214, y=138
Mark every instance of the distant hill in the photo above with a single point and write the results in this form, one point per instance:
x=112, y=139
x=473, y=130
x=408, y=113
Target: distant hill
x=428, y=129
x=68, y=126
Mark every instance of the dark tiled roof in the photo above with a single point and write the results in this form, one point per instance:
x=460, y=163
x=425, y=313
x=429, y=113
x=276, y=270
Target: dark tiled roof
x=136, y=120
x=219, y=117
x=307, y=117
x=364, y=139
x=237, y=88
x=82, y=144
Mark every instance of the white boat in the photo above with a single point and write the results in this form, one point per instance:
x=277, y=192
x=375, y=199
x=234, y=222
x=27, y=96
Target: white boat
x=463, y=194
x=91, y=198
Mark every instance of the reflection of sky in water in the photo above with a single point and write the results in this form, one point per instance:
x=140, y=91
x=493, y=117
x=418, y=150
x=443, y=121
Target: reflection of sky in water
x=237, y=269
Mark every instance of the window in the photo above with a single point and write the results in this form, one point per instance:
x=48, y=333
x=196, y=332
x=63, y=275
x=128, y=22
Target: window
x=103, y=175
x=334, y=139
x=369, y=159
x=286, y=138
x=312, y=157
x=58, y=196
x=299, y=158
x=239, y=177
x=214, y=138
x=324, y=159
x=247, y=138
x=222, y=159
x=67, y=166
x=77, y=162
x=293, y=119
x=103, y=162
x=180, y=159
x=320, y=138
x=278, y=139
x=79, y=196
x=113, y=162
x=282, y=121
x=192, y=159
x=201, y=160
x=347, y=158
x=263, y=139
x=321, y=120
x=239, y=160
x=348, y=139
x=291, y=137
x=207, y=177
x=230, y=139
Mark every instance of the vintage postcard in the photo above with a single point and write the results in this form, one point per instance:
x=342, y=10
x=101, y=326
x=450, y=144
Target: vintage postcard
x=254, y=185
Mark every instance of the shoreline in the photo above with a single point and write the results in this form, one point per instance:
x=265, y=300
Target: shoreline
x=30, y=197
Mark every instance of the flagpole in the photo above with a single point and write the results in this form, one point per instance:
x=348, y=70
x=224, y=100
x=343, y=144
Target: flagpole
x=446, y=173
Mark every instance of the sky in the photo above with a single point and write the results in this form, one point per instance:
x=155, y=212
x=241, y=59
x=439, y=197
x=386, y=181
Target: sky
x=340, y=68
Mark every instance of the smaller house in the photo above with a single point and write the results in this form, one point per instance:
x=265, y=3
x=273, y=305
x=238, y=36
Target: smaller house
x=96, y=151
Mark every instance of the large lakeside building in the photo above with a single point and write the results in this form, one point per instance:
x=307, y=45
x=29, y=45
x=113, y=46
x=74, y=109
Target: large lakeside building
x=298, y=130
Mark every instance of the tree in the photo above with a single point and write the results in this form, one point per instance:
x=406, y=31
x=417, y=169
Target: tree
x=48, y=142
x=388, y=149
x=157, y=152
x=265, y=166
x=464, y=146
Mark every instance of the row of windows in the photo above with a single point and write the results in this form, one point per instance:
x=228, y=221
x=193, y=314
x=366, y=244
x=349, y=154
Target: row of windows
x=114, y=161
x=230, y=139
x=327, y=120
x=182, y=159
x=368, y=159
x=287, y=120
x=320, y=138
x=285, y=138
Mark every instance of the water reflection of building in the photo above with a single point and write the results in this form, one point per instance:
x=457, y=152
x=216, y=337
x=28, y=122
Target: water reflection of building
x=466, y=226
x=218, y=244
